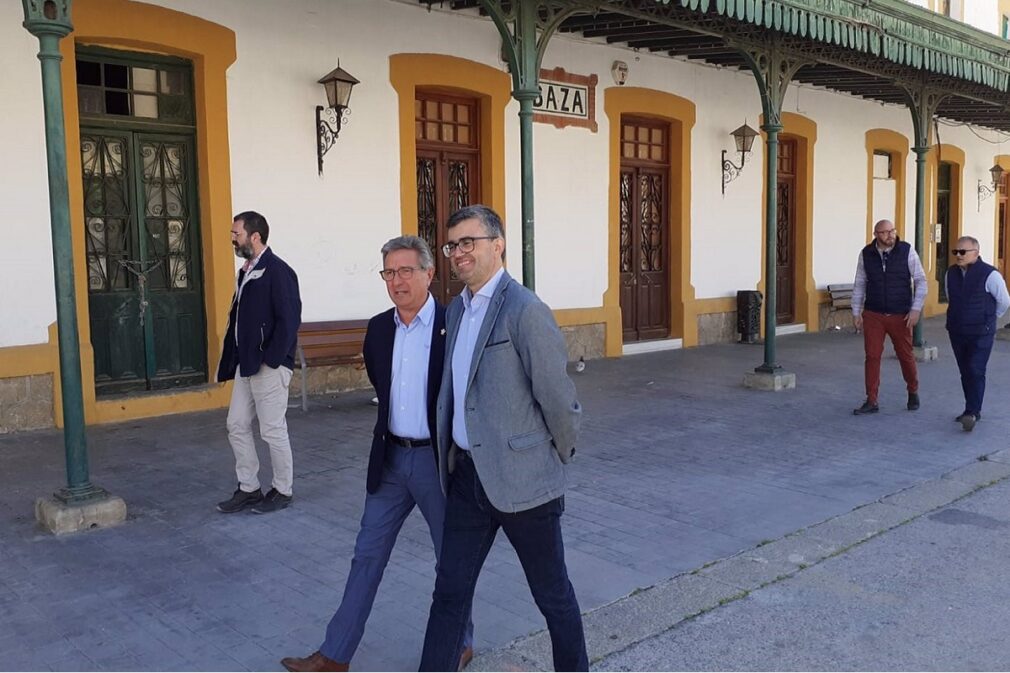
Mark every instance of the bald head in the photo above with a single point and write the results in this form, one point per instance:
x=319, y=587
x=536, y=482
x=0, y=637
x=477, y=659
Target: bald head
x=884, y=234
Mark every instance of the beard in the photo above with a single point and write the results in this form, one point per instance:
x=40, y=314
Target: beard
x=243, y=251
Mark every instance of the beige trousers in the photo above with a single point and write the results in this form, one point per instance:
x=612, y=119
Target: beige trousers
x=264, y=396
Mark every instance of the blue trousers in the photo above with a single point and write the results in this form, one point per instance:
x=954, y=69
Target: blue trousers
x=471, y=523
x=972, y=354
x=409, y=478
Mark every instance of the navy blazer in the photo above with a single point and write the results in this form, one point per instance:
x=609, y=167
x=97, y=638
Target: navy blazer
x=269, y=315
x=378, y=352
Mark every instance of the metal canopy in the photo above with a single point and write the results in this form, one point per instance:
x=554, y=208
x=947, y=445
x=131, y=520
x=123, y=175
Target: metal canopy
x=874, y=49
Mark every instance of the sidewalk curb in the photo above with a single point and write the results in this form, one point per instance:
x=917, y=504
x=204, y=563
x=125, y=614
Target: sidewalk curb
x=653, y=610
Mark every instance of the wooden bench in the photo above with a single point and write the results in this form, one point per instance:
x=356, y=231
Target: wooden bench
x=331, y=342
x=841, y=300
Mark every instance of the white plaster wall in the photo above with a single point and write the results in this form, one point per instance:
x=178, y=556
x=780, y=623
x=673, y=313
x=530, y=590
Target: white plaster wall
x=27, y=303
x=331, y=227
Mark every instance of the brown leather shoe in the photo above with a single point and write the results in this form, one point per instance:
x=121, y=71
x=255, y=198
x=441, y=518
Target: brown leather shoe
x=314, y=662
x=465, y=658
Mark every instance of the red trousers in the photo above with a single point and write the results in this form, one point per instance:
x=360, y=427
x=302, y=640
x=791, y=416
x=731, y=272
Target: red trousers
x=875, y=326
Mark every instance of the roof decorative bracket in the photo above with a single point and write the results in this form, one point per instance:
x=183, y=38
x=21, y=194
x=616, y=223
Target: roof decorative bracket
x=773, y=68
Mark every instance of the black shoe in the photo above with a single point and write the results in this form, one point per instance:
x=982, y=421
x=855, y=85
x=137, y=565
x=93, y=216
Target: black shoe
x=273, y=501
x=867, y=408
x=968, y=421
x=239, y=501
x=978, y=416
x=913, y=401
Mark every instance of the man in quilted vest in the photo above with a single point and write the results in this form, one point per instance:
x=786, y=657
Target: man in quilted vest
x=976, y=296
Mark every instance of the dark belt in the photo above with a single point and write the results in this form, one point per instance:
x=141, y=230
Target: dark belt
x=408, y=443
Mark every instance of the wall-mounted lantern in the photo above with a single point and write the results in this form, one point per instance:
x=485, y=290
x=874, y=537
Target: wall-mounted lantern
x=985, y=191
x=338, y=84
x=744, y=139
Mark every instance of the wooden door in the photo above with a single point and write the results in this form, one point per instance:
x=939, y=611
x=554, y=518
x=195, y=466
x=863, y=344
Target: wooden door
x=448, y=174
x=1001, y=226
x=785, y=234
x=644, y=230
x=943, y=245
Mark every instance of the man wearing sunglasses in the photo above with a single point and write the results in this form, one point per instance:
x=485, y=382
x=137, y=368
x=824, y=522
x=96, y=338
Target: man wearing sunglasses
x=883, y=303
x=976, y=297
x=404, y=351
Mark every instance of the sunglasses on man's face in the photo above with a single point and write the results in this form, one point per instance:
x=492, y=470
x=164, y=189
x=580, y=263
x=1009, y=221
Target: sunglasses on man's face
x=962, y=251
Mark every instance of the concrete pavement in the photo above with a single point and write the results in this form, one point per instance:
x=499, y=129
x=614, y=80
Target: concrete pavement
x=679, y=466
x=930, y=594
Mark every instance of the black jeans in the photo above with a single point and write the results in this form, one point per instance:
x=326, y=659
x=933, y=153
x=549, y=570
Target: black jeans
x=471, y=523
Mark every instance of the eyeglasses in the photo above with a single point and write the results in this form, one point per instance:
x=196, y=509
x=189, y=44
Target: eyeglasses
x=464, y=244
x=963, y=251
x=884, y=233
x=404, y=272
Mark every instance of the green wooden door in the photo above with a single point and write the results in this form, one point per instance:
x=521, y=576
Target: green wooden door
x=145, y=290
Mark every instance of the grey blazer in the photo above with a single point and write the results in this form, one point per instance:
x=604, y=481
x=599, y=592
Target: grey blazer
x=522, y=417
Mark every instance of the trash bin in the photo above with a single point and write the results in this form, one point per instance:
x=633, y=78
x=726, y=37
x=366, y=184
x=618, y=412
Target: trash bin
x=748, y=315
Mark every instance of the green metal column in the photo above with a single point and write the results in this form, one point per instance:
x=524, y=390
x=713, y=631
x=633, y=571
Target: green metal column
x=773, y=69
x=922, y=102
x=771, y=235
x=526, y=162
x=920, y=223
x=49, y=21
x=526, y=27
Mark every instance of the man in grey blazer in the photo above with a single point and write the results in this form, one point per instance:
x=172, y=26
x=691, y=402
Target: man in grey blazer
x=507, y=422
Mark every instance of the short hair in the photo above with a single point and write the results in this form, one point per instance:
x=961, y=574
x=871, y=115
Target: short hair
x=415, y=243
x=487, y=217
x=254, y=223
x=974, y=241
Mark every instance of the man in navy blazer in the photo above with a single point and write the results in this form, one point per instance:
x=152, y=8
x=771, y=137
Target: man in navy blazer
x=259, y=353
x=404, y=352
x=508, y=421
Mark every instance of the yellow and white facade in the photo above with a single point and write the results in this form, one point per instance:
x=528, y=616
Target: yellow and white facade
x=255, y=65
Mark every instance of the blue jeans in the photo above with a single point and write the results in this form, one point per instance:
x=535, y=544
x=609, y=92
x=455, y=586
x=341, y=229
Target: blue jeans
x=471, y=523
x=409, y=477
x=972, y=354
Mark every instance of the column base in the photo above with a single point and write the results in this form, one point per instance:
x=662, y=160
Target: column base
x=926, y=353
x=60, y=518
x=770, y=381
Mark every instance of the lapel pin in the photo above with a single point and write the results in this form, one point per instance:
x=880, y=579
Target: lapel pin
x=442, y=333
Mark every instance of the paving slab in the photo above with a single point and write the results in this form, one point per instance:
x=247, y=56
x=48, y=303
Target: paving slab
x=678, y=466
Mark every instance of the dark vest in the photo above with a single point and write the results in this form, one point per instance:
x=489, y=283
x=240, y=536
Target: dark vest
x=888, y=285
x=971, y=310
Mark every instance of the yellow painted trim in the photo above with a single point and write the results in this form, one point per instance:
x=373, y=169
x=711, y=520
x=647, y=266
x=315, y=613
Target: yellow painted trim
x=897, y=146
x=136, y=26
x=492, y=88
x=1002, y=9
x=570, y=317
x=956, y=156
x=680, y=113
x=804, y=131
x=1004, y=161
x=31, y=359
x=714, y=305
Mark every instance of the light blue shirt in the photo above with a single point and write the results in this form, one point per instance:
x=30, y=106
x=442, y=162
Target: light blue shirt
x=408, y=393
x=474, y=312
